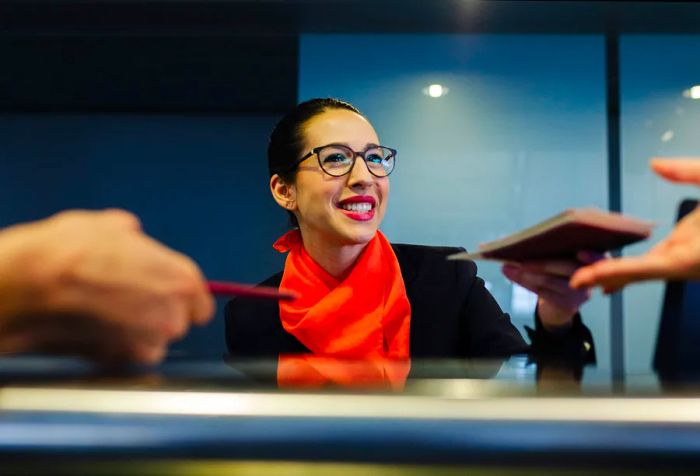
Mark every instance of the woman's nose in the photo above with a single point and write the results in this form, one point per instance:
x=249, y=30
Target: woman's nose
x=360, y=175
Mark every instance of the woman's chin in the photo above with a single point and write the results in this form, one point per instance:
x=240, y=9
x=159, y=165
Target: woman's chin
x=359, y=238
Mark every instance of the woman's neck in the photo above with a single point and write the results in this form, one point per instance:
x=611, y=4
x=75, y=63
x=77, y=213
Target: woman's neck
x=337, y=260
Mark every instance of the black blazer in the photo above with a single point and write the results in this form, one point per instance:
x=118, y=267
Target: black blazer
x=452, y=315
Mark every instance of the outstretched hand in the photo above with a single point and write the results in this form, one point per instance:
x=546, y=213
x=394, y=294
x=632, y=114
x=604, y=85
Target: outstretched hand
x=675, y=257
x=93, y=284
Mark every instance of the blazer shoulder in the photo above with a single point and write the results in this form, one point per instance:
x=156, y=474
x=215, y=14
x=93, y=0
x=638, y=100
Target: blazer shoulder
x=426, y=249
x=414, y=259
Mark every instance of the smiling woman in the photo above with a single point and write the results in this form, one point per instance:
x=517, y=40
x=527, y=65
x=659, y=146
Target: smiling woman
x=337, y=202
x=362, y=296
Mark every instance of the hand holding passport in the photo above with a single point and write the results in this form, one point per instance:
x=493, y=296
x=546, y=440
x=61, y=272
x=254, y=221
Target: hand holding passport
x=563, y=236
x=542, y=258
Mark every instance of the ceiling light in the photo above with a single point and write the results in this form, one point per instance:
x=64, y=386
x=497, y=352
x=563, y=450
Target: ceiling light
x=692, y=93
x=435, y=90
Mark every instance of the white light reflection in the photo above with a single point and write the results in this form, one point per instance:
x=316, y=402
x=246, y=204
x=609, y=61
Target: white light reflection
x=508, y=408
x=436, y=90
x=667, y=136
x=692, y=93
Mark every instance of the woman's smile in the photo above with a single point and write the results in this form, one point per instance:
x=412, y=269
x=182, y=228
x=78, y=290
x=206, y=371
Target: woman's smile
x=358, y=207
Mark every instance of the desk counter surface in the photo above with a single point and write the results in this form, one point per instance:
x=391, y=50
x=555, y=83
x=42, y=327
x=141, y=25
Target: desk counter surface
x=448, y=413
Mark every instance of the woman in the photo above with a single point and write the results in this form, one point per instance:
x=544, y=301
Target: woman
x=363, y=297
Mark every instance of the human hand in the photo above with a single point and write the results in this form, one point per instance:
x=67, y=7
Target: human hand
x=93, y=284
x=675, y=257
x=557, y=302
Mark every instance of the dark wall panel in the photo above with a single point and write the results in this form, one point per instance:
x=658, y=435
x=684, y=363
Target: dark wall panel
x=147, y=74
x=199, y=184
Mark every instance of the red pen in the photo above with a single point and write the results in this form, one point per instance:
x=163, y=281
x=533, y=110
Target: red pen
x=221, y=288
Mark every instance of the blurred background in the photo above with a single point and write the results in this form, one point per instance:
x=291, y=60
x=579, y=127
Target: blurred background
x=504, y=113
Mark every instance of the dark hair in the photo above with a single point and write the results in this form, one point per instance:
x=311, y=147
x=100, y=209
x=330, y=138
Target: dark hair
x=287, y=138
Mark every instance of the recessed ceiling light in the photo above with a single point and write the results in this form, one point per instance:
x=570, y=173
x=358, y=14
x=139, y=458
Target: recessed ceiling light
x=692, y=93
x=435, y=90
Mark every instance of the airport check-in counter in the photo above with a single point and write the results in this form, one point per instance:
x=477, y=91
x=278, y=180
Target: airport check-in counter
x=205, y=417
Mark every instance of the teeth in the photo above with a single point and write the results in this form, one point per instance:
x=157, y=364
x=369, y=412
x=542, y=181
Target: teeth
x=363, y=207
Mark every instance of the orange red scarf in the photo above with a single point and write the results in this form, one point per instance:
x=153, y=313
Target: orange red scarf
x=315, y=371
x=365, y=316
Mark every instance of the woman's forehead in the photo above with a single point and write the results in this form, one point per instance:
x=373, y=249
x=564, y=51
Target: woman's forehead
x=340, y=126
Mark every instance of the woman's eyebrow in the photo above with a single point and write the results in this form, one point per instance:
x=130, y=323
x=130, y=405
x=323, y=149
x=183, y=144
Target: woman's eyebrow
x=346, y=144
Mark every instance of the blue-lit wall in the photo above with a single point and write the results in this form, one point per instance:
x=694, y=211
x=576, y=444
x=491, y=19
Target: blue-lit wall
x=657, y=120
x=198, y=183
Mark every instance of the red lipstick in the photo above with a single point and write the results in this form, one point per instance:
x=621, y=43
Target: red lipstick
x=358, y=215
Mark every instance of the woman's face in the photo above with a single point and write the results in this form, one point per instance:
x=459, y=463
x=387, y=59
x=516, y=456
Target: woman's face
x=344, y=210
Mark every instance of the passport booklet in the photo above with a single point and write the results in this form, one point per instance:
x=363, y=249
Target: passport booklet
x=563, y=236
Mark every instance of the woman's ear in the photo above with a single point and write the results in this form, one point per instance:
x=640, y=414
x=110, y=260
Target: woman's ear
x=284, y=194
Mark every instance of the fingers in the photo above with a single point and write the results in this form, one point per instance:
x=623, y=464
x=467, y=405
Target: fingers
x=563, y=300
x=682, y=169
x=201, y=301
x=553, y=288
x=615, y=273
x=132, y=283
x=185, y=281
x=87, y=219
x=530, y=278
x=546, y=284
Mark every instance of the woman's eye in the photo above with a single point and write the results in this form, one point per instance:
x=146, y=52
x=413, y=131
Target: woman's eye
x=374, y=158
x=335, y=158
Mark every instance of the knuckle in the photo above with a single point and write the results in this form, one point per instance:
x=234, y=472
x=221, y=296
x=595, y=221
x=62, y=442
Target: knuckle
x=188, y=282
x=122, y=218
x=192, y=269
x=65, y=214
x=185, y=287
x=72, y=216
x=177, y=326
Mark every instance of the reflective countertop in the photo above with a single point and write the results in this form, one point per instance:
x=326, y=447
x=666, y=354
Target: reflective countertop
x=505, y=414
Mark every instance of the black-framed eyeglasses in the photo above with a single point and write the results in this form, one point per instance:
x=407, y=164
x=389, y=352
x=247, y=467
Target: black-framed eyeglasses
x=338, y=159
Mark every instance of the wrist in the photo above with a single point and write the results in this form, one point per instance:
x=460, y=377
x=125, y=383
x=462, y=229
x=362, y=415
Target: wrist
x=23, y=281
x=554, y=319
